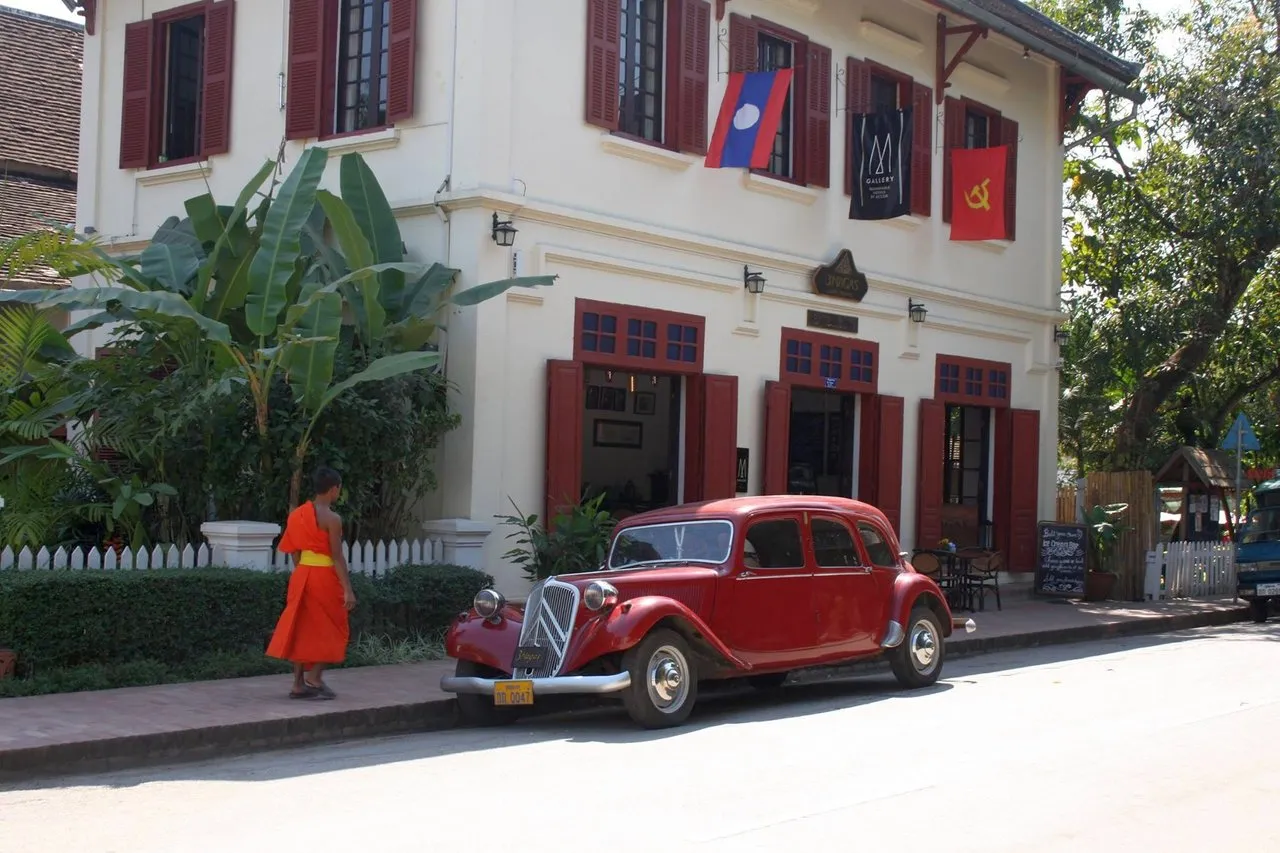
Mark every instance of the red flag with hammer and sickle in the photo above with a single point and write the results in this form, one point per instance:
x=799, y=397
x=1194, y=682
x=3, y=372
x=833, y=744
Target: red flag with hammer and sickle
x=977, y=193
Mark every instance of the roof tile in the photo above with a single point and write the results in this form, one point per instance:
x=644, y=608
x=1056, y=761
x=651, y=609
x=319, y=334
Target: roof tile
x=40, y=76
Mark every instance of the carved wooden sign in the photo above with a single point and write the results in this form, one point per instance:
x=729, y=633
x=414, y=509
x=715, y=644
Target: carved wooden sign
x=841, y=278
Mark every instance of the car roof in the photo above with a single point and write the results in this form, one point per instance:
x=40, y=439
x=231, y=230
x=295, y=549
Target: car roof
x=744, y=507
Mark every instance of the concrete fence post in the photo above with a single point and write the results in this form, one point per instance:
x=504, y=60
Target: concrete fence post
x=462, y=540
x=241, y=544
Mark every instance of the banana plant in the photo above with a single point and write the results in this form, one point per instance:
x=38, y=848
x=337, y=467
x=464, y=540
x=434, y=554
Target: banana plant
x=258, y=282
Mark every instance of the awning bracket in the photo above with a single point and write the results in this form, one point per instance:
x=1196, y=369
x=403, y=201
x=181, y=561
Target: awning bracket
x=947, y=68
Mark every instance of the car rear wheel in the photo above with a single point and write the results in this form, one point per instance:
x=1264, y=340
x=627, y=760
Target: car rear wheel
x=477, y=709
x=1260, y=609
x=917, y=660
x=664, y=680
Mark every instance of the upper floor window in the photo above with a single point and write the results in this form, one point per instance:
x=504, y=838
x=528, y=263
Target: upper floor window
x=884, y=93
x=363, y=42
x=351, y=66
x=647, y=67
x=176, y=103
x=802, y=146
x=969, y=124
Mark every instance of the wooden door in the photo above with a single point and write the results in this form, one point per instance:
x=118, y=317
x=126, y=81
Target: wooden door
x=880, y=455
x=711, y=438
x=777, y=437
x=565, y=407
x=930, y=462
x=1024, y=488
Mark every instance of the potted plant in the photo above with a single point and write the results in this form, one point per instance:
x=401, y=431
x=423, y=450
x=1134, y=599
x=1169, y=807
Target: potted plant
x=1105, y=530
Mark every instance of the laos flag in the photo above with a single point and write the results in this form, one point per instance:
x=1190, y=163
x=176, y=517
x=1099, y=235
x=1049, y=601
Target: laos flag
x=748, y=121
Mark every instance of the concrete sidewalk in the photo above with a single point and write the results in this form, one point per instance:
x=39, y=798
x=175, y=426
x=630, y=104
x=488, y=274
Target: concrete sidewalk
x=110, y=729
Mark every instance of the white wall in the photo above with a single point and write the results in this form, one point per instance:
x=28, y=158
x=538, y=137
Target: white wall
x=499, y=111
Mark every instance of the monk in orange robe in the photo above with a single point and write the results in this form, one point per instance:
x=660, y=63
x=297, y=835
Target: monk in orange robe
x=313, y=630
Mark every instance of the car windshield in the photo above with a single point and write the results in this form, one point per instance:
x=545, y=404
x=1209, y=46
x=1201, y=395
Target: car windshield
x=681, y=542
x=1263, y=526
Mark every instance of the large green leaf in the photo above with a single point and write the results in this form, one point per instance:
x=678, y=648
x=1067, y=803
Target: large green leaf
x=362, y=294
x=171, y=265
x=273, y=264
x=384, y=368
x=481, y=292
x=411, y=333
x=205, y=218
x=424, y=297
x=232, y=287
x=309, y=362
x=372, y=212
x=159, y=302
x=235, y=235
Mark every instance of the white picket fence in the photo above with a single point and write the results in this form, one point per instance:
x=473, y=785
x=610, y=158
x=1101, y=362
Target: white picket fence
x=1191, y=570
x=372, y=558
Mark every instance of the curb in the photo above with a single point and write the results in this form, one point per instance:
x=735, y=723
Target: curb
x=188, y=745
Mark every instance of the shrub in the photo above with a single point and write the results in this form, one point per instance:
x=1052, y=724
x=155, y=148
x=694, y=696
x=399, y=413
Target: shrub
x=67, y=619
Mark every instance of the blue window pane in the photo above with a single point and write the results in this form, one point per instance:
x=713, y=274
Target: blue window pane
x=591, y=322
x=673, y=331
x=690, y=334
x=610, y=324
x=633, y=346
x=650, y=329
x=673, y=352
x=633, y=327
x=689, y=354
x=589, y=341
x=793, y=347
x=650, y=349
x=609, y=345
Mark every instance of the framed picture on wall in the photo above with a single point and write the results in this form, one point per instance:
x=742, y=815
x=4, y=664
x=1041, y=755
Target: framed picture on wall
x=629, y=434
x=593, y=396
x=646, y=403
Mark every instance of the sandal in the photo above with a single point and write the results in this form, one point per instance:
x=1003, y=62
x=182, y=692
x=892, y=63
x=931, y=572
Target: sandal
x=321, y=691
x=307, y=692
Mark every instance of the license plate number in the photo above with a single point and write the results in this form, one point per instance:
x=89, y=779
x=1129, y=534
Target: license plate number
x=1268, y=589
x=529, y=657
x=513, y=693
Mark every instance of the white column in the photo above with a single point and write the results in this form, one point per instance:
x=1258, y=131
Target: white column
x=241, y=544
x=463, y=540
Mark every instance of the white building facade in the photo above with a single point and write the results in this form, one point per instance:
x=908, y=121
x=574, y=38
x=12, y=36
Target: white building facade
x=650, y=371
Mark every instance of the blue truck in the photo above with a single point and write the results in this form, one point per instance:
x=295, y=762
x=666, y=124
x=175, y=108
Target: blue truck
x=1258, y=552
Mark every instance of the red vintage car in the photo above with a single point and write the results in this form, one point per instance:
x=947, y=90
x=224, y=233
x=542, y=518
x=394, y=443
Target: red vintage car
x=745, y=588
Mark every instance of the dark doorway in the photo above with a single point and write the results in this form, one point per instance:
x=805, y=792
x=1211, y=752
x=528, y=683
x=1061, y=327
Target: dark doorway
x=820, y=454
x=631, y=440
x=967, y=476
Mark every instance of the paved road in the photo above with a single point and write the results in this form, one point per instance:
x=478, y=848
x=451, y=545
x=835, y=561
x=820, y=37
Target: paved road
x=1165, y=743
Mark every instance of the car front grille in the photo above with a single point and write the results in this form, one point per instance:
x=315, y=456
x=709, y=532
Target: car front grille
x=548, y=623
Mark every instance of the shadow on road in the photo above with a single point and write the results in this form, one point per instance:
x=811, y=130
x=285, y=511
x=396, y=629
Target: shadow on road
x=727, y=704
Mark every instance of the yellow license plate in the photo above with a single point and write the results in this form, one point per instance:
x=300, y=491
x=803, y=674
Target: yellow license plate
x=513, y=693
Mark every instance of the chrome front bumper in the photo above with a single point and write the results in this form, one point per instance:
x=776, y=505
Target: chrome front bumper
x=968, y=625
x=560, y=685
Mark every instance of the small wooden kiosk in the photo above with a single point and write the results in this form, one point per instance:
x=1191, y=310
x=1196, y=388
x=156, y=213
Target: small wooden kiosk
x=1206, y=476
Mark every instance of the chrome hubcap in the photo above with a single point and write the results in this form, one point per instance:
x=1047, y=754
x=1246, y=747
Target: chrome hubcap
x=666, y=679
x=924, y=646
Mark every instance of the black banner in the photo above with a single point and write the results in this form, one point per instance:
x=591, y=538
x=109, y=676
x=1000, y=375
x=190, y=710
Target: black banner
x=881, y=165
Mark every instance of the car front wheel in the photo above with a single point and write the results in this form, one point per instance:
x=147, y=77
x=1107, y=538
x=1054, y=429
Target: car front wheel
x=917, y=660
x=664, y=680
x=477, y=709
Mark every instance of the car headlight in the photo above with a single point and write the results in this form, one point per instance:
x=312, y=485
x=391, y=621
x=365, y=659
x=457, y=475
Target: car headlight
x=599, y=594
x=488, y=602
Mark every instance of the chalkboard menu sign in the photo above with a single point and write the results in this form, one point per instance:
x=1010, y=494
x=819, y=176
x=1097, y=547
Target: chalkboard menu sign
x=1061, y=554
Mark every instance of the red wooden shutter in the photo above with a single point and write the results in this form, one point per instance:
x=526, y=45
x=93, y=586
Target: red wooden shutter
x=1009, y=137
x=817, y=131
x=1024, y=489
x=565, y=406
x=219, y=38
x=305, y=86
x=402, y=59
x=602, y=63
x=929, y=472
x=869, y=449
x=953, y=137
x=889, y=489
x=922, y=150
x=857, y=100
x=720, y=441
x=744, y=43
x=135, y=110
x=777, y=436
x=692, y=49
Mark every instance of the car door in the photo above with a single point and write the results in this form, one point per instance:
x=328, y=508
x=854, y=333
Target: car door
x=881, y=550
x=844, y=589
x=764, y=607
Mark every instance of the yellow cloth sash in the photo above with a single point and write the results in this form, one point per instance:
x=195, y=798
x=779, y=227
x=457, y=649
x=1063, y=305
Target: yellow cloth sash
x=311, y=558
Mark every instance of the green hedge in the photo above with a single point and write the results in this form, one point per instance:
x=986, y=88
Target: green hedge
x=65, y=619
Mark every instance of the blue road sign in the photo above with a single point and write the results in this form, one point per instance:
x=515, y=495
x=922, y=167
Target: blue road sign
x=1243, y=430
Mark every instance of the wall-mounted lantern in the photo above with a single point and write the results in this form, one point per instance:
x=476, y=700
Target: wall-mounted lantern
x=916, y=310
x=504, y=233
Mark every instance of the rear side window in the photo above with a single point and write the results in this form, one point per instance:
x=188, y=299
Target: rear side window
x=833, y=546
x=877, y=548
x=775, y=544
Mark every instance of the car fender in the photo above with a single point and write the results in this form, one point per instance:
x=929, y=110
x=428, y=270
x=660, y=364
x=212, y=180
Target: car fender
x=488, y=642
x=625, y=625
x=908, y=589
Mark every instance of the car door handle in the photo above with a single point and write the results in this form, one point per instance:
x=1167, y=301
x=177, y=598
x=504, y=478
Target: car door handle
x=746, y=574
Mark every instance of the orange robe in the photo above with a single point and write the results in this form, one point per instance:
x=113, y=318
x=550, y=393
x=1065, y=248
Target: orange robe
x=313, y=627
